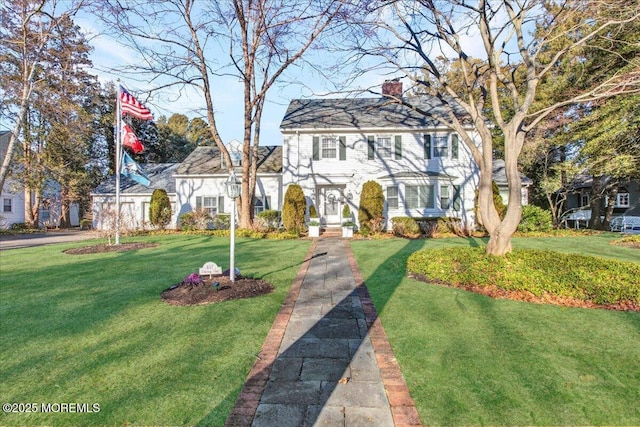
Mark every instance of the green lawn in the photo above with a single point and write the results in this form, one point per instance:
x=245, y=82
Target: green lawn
x=92, y=329
x=472, y=360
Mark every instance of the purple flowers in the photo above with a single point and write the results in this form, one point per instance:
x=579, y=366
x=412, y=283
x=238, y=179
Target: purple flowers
x=192, y=280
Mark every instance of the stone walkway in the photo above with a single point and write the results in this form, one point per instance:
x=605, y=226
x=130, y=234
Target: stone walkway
x=326, y=360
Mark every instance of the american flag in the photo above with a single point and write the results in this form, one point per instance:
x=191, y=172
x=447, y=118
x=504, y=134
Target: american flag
x=130, y=105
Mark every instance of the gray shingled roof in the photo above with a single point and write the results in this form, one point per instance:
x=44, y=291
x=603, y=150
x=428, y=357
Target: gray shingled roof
x=360, y=113
x=500, y=176
x=160, y=175
x=207, y=161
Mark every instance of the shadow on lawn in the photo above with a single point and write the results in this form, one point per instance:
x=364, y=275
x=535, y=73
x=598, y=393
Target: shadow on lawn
x=300, y=380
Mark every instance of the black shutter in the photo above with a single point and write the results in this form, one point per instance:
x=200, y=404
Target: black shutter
x=316, y=148
x=371, y=142
x=454, y=146
x=427, y=146
x=456, y=197
x=198, y=202
x=398, y=150
x=343, y=148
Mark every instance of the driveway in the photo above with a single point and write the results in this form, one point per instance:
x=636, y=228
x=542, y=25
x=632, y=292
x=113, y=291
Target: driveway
x=38, y=239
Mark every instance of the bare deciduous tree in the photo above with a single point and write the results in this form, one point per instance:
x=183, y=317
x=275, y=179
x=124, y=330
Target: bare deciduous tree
x=27, y=30
x=502, y=50
x=261, y=39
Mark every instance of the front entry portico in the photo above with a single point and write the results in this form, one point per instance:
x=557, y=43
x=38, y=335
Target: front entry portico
x=330, y=199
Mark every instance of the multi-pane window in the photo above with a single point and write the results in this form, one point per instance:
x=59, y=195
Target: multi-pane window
x=384, y=147
x=584, y=200
x=329, y=148
x=392, y=197
x=419, y=196
x=7, y=205
x=622, y=200
x=261, y=204
x=445, y=197
x=440, y=146
x=213, y=205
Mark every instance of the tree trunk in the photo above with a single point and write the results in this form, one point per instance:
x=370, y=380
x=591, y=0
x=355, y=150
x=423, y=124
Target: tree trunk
x=499, y=243
x=611, y=203
x=595, y=201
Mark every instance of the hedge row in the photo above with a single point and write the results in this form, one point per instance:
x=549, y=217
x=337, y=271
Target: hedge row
x=598, y=280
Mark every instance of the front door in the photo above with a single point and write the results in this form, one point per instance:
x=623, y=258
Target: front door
x=330, y=205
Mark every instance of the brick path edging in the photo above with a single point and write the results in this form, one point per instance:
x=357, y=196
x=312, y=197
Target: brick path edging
x=247, y=403
x=403, y=408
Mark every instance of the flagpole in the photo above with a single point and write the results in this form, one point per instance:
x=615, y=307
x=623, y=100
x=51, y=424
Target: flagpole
x=118, y=161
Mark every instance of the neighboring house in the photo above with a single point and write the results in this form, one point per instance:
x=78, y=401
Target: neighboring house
x=13, y=201
x=500, y=178
x=577, y=206
x=200, y=179
x=12, y=194
x=196, y=183
x=333, y=146
x=134, y=198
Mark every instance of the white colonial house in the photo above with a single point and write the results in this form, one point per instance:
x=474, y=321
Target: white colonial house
x=333, y=146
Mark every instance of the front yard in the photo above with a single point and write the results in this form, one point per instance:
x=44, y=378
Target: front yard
x=91, y=329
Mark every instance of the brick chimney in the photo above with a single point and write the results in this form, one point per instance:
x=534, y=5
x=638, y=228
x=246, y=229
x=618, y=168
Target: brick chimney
x=392, y=87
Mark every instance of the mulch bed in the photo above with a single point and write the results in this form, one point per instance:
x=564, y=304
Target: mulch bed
x=98, y=249
x=207, y=293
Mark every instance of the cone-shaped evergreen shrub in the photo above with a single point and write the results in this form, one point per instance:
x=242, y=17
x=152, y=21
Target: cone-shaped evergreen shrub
x=160, y=209
x=294, y=209
x=313, y=212
x=371, y=208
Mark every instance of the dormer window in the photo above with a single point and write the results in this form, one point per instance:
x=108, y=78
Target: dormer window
x=236, y=159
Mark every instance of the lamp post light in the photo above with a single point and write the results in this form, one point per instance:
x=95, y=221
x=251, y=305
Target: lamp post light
x=234, y=187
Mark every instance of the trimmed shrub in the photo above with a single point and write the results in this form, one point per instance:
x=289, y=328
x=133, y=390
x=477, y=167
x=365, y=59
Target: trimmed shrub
x=534, y=218
x=405, y=226
x=293, y=209
x=195, y=220
x=313, y=212
x=371, y=208
x=542, y=273
x=268, y=220
x=160, y=209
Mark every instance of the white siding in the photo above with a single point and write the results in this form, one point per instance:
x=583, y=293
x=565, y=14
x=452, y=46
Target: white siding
x=350, y=174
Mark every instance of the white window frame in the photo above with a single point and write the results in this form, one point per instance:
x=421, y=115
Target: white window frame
x=421, y=201
x=261, y=203
x=585, y=199
x=622, y=200
x=440, y=146
x=393, y=199
x=328, y=144
x=384, y=146
x=4, y=204
x=446, y=190
x=210, y=204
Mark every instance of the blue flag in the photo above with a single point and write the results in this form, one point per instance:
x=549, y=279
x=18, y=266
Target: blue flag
x=131, y=170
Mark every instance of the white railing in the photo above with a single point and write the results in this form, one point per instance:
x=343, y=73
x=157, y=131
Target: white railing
x=625, y=224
